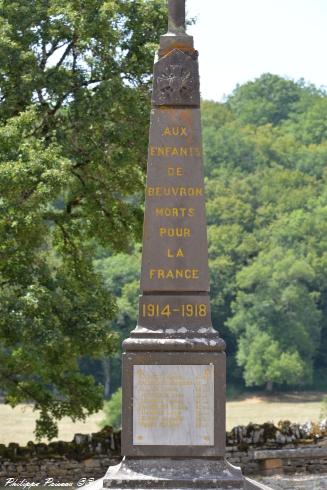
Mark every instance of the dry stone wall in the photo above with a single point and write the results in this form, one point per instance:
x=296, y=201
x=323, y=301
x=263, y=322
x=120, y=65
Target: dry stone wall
x=258, y=449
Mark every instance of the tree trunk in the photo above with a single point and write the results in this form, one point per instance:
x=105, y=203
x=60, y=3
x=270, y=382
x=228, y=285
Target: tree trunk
x=269, y=386
x=106, y=367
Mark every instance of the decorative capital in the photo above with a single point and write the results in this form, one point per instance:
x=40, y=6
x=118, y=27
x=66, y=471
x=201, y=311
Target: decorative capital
x=176, y=80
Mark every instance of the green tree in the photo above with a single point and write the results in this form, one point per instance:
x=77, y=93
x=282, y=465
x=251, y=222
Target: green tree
x=276, y=319
x=112, y=411
x=266, y=209
x=268, y=99
x=266, y=363
x=121, y=275
x=74, y=101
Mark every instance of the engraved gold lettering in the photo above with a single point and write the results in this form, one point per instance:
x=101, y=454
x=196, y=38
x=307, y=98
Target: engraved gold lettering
x=185, y=310
x=172, y=255
x=175, y=212
x=188, y=274
x=161, y=274
x=163, y=401
x=172, y=171
x=175, y=232
x=166, y=132
x=175, y=131
x=174, y=191
x=175, y=151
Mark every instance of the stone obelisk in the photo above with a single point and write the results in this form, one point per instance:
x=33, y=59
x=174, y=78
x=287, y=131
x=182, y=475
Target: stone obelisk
x=173, y=430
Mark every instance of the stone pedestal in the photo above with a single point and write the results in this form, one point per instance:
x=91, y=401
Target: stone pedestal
x=174, y=414
x=168, y=473
x=174, y=397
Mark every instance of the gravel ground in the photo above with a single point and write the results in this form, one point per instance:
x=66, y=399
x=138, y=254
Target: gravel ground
x=295, y=482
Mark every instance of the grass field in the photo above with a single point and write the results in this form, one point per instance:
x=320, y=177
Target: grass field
x=17, y=425
x=296, y=407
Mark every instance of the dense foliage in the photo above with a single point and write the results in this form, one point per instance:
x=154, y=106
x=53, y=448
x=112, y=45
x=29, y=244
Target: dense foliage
x=266, y=167
x=74, y=79
x=266, y=152
x=113, y=411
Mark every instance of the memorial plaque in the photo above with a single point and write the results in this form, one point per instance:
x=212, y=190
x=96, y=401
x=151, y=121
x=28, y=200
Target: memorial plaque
x=171, y=402
x=173, y=405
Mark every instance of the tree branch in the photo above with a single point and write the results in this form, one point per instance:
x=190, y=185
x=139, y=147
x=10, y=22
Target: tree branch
x=65, y=54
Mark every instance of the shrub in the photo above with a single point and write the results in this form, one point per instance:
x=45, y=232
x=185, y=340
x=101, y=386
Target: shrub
x=112, y=411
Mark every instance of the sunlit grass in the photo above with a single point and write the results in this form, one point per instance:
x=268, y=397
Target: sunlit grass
x=296, y=407
x=17, y=424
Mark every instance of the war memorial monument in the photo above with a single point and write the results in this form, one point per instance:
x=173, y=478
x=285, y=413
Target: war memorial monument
x=173, y=429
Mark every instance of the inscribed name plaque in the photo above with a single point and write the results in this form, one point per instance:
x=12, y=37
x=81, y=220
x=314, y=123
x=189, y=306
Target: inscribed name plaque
x=173, y=405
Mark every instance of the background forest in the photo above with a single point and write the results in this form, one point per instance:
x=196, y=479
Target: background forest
x=75, y=84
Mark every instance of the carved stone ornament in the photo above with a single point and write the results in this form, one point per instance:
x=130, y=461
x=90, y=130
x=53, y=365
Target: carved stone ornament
x=176, y=80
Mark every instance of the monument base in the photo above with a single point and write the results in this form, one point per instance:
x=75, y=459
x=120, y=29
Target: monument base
x=173, y=474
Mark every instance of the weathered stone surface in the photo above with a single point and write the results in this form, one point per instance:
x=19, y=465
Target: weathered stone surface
x=176, y=16
x=169, y=473
x=297, y=482
x=176, y=79
x=175, y=250
x=310, y=452
x=252, y=485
